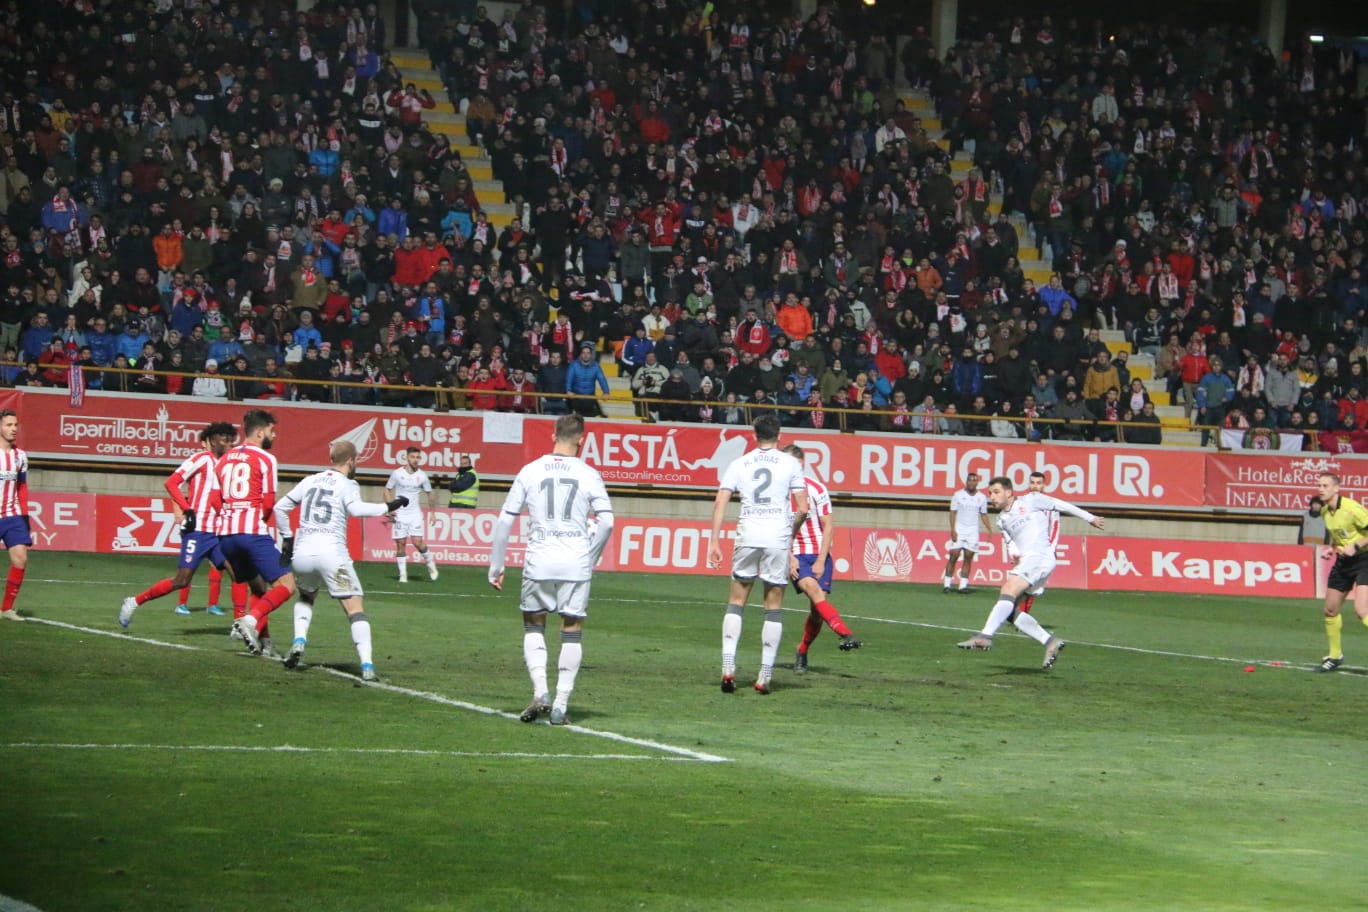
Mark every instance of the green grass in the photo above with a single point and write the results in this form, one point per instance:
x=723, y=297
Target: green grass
x=908, y=775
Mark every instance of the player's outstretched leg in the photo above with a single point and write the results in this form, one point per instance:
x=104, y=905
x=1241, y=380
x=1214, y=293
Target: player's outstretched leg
x=361, y=638
x=431, y=560
x=131, y=604
x=1000, y=613
x=303, y=616
x=183, y=600
x=812, y=628
x=534, y=655
x=567, y=669
x=828, y=613
x=731, y=635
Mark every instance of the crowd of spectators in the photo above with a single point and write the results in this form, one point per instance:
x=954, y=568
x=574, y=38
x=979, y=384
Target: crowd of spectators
x=739, y=208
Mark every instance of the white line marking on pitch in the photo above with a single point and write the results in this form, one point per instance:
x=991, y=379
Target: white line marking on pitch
x=1267, y=663
x=294, y=749
x=683, y=752
x=10, y=904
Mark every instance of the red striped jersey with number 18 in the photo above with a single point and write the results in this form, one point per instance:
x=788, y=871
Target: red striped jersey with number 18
x=247, y=487
x=808, y=540
x=13, y=475
x=198, y=472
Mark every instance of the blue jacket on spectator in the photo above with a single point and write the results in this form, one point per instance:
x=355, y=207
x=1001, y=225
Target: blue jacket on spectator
x=101, y=347
x=224, y=351
x=305, y=336
x=393, y=221
x=966, y=376
x=581, y=379
x=185, y=316
x=130, y=345
x=35, y=341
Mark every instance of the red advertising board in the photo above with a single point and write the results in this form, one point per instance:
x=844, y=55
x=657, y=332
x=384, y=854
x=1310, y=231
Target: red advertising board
x=918, y=556
x=1278, y=481
x=165, y=430
x=1212, y=568
x=460, y=537
x=61, y=522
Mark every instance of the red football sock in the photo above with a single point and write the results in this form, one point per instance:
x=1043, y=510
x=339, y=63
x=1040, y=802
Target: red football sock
x=240, y=594
x=832, y=617
x=215, y=585
x=268, y=603
x=1026, y=604
x=12, y=584
x=811, y=628
x=184, y=597
x=155, y=591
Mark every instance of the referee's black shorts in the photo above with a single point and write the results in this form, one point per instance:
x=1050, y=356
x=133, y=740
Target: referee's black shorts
x=1349, y=572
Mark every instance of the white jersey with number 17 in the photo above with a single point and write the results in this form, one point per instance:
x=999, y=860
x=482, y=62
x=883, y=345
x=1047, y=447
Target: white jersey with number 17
x=559, y=493
x=766, y=480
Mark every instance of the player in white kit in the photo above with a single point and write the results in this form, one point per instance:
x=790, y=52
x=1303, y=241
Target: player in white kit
x=411, y=483
x=1010, y=552
x=968, y=508
x=318, y=548
x=1027, y=519
x=559, y=493
x=765, y=478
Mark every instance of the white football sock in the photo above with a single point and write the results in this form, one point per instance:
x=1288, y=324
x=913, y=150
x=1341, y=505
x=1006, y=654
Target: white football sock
x=534, y=653
x=430, y=558
x=1031, y=627
x=571, y=654
x=303, y=614
x=401, y=560
x=998, y=616
x=731, y=635
x=361, y=636
x=770, y=634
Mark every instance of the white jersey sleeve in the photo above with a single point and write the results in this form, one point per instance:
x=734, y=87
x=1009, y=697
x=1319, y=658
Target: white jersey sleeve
x=559, y=493
x=1032, y=522
x=766, y=481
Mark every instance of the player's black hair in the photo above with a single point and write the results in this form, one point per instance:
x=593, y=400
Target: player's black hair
x=5, y=413
x=1040, y=475
x=412, y=450
x=767, y=427
x=795, y=451
x=218, y=429
x=255, y=419
x=1001, y=481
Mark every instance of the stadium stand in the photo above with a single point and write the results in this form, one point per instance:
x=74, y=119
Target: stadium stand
x=808, y=215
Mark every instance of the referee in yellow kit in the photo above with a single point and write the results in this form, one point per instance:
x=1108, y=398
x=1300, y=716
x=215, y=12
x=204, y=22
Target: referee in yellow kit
x=1347, y=522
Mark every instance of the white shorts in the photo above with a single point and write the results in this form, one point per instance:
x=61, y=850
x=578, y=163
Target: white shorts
x=769, y=564
x=568, y=599
x=1035, y=570
x=333, y=571
x=408, y=528
x=963, y=542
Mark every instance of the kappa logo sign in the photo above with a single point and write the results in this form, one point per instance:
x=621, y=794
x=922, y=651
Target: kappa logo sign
x=1202, y=567
x=888, y=557
x=1116, y=563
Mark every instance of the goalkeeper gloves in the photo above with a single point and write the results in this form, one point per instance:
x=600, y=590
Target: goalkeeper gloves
x=287, y=549
x=397, y=504
x=188, y=524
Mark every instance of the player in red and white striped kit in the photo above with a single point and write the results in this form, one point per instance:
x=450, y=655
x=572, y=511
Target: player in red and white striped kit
x=810, y=567
x=15, y=534
x=199, y=522
x=247, y=496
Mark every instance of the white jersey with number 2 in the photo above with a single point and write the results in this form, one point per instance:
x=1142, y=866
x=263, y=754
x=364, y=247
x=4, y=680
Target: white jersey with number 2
x=325, y=502
x=559, y=493
x=766, y=480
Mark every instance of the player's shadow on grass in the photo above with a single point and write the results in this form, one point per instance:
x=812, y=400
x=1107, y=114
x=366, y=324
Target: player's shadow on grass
x=216, y=630
x=1017, y=671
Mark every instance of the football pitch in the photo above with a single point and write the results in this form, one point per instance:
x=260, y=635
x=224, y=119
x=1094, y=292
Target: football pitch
x=1180, y=756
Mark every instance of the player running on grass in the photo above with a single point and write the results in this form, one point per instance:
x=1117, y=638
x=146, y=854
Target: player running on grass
x=318, y=549
x=767, y=480
x=411, y=483
x=1026, y=518
x=247, y=492
x=1009, y=550
x=559, y=492
x=810, y=567
x=15, y=534
x=199, y=520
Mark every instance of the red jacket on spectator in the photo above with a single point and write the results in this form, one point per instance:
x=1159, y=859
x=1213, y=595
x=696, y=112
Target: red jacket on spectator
x=890, y=365
x=1356, y=407
x=484, y=394
x=1183, y=265
x=408, y=267
x=662, y=224
x=753, y=338
x=429, y=258
x=411, y=106
x=654, y=129
x=336, y=304
x=335, y=231
x=1193, y=367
